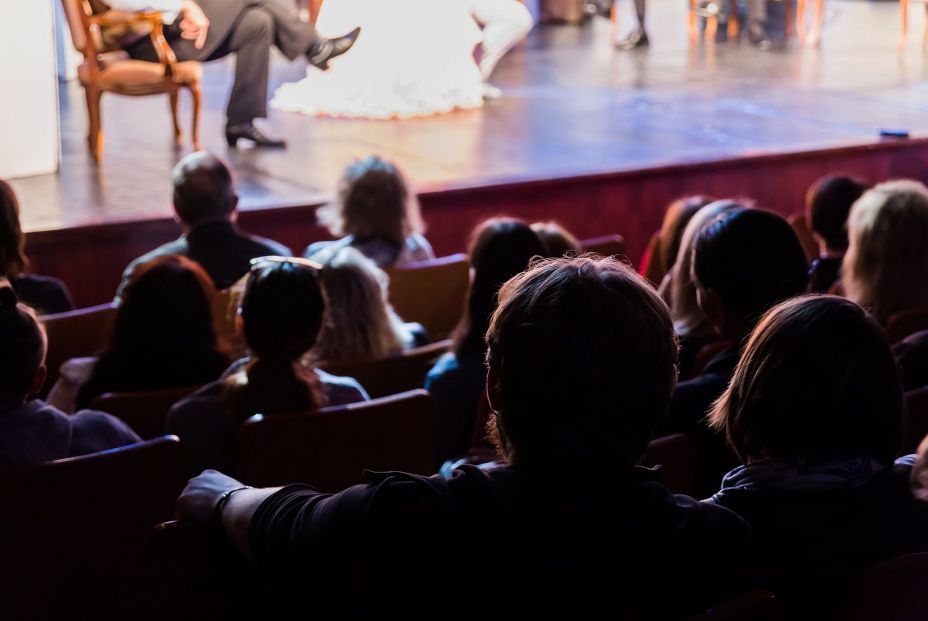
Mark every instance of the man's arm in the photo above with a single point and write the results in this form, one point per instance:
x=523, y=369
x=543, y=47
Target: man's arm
x=194, y=23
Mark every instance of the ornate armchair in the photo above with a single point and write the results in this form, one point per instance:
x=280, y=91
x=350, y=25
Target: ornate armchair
x=108, y=71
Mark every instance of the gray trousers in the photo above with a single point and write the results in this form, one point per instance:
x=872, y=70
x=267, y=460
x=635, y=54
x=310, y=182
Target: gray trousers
x=248, y=29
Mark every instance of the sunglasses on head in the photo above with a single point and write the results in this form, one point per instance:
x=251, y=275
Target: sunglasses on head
x=259, y=261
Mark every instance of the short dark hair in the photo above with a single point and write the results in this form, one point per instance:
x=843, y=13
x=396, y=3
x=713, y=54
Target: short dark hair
x=204, y=189
x=23, y=350
x=828, y=203
x=585, y=355
x=751, y=259
x=817, y=380
x=13, y=259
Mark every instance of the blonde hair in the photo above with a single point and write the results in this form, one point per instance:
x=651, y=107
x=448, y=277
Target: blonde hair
x=373, y=201
x=679, y=290
x=885, y=269
x=359, y=321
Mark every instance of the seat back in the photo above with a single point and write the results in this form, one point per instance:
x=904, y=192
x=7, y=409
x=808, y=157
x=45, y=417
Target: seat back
x=676, y=454
x=705, y=355
x=82, y=332
x=605, y=246
x=754, y=606
x=329, y=449
x=387, y=376
x=146, y=412
x=894, y=590
x=906, y=323
x=73, y=528
x=431, y=292
x=916, y=427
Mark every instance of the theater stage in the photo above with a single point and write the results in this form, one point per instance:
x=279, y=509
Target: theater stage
x=597, y=138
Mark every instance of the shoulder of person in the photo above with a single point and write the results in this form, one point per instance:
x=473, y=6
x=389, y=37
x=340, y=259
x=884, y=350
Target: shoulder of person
x=341, y=390
x=109, y=430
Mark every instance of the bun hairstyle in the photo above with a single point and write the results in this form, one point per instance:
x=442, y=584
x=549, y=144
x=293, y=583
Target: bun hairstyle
x=23, y=349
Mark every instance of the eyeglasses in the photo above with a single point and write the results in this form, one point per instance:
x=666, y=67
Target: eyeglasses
x=257, y=261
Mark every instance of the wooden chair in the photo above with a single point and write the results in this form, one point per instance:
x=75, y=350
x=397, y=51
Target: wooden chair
x=146, y=412
x=431, y=292
x=606, y=246
x=904, y=14
x=894, y=590
x=72, y=529
x=387, y=376
x=676, y=454
x=803, y=231
x=105, y=73
x=916, y=427
x=82, y=332
x=755, y=606
x=905, y=323
x=329, y=449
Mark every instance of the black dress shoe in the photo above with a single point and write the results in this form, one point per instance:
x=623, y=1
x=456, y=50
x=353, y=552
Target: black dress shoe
x=637, y=38
x=325, y=50
x=252, y=133
x=758, y=36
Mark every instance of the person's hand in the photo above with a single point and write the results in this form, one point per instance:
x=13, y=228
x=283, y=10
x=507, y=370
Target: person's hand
x=197, y=503
x=194, y=24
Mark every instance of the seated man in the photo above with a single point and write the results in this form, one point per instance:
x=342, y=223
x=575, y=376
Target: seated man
x=582, y=361
x=31, y=431
x=206, y=30
x=204, y=203
x=744, y=262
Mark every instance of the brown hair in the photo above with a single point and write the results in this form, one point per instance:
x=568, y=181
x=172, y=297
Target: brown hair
x=23, y=350
x=817, y=379
x=558, y=241
x=585, y=357
x=677, y=216
x=13, y=261
x=373, y=201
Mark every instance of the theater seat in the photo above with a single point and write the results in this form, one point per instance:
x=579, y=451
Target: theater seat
x=146, y=412
x=77, y=333
x=431, y=292
x=905, y=323
x=330, y=449
x=72, y=529
x=676, y=455
x=381, y=377
x=894, y=590
x=605, y=246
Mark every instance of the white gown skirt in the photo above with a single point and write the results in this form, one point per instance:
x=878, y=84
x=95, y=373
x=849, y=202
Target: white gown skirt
x=412, y=58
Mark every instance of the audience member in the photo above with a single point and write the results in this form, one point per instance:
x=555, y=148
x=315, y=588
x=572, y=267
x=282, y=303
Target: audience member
x=828, y=203
x=162, y=338
x=499, y=249
x=815, y=413
x=280, y=315
x=205, y=206
x=359, y=322
x=886, y=265
x=912, y=356
x=665, y=245
x=678, y=289
x=44, y=294
x=375, y=212
x=31, y=431
x=582, y=360
x=744, y=262
x=558, y=241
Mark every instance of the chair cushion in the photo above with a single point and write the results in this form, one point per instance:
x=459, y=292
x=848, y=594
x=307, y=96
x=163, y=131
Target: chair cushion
x=139, y=77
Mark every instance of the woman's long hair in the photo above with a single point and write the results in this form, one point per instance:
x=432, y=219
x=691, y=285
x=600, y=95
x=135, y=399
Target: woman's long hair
x=281, y=313
x=359, y=322
x=499, y=249
x=13, y=261
x=163, y=336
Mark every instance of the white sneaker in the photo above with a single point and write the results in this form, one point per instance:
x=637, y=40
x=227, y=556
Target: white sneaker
x=490, y=92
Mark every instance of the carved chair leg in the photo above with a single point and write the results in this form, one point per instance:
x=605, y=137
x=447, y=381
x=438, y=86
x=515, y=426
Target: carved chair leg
x=195, y=128
x=94, y=123
x=904, y=13
x=178, y=132
x=691, y=21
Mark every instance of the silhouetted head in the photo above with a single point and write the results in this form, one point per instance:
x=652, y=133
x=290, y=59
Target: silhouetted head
x=499, y=249
x=677, y=216
x=373, y=202
x=13, y=259
x=582, y=362
x=744, y=262
x=828, y=203
x=204, y=189
x=816, y=380
x=22, y=355
x=558, y=241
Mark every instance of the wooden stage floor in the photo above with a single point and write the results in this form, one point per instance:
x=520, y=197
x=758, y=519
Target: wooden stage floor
x=573, y=106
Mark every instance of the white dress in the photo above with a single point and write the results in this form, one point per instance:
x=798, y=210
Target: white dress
x=412, y=58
